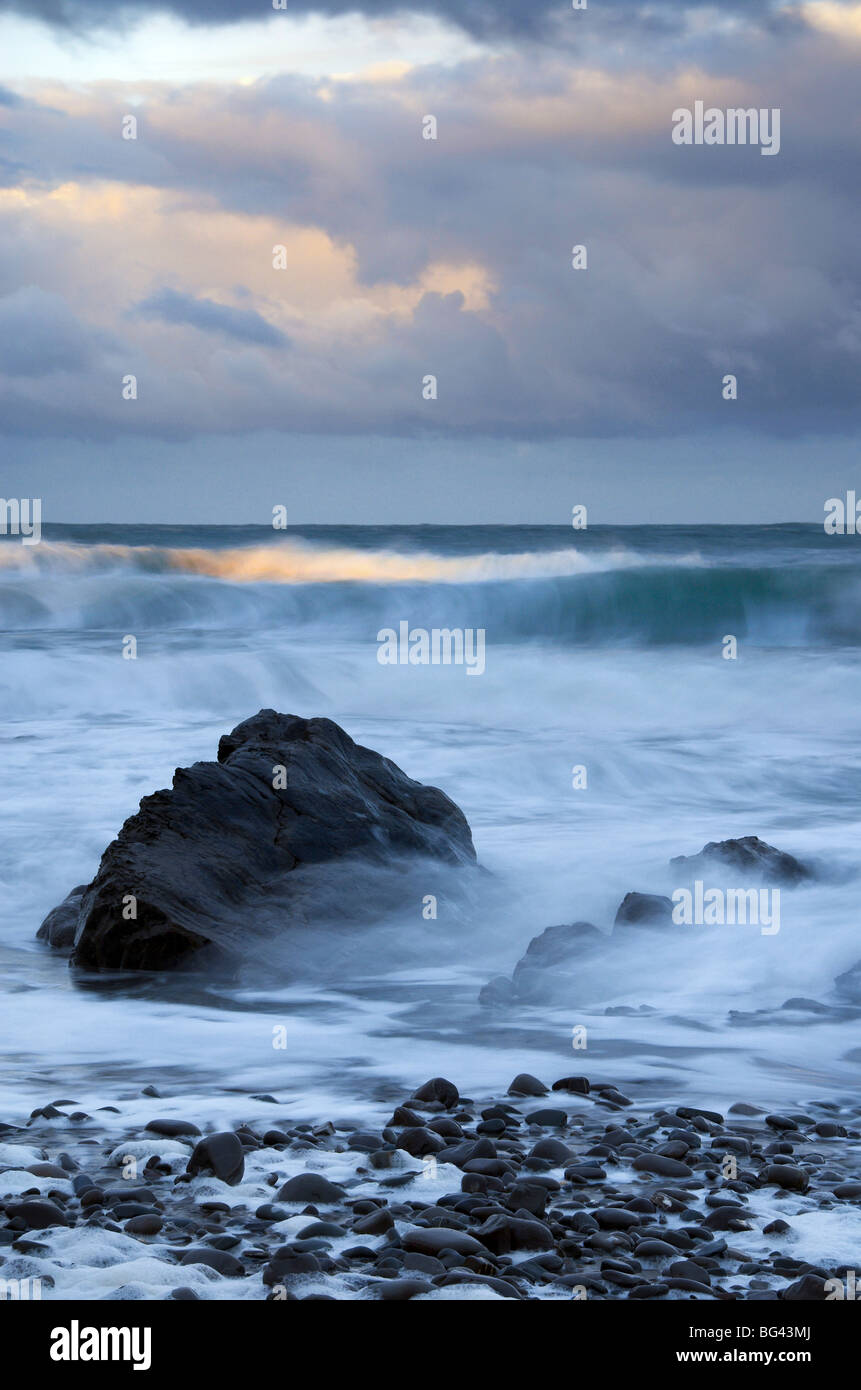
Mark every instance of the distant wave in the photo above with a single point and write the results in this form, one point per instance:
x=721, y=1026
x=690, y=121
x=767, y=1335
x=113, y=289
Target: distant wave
x=563, y=596
x=294, y=563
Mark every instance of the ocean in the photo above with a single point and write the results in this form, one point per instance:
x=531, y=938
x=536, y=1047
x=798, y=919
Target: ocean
x=605, y=651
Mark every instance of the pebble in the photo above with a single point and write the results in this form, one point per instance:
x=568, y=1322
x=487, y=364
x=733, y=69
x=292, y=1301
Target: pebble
x=439, y=1090
x=310, y=1187
x=624, y=1201
x=220, y=1154
x=527, y=1085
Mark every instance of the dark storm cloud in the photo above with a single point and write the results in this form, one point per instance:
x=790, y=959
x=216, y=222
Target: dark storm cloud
x=479, y=17
x=245, y=325
x=702, y=261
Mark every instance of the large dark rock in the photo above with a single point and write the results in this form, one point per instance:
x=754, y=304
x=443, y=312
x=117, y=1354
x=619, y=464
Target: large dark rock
x=749, y=855
x=239, y=848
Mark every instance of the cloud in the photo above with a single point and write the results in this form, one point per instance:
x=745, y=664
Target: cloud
x=479, y=17
x=843, y=19
x=39, y=335
x=408, y=258
x=245, y=325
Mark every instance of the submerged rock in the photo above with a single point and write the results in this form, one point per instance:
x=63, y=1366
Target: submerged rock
x=848, y=985
x=644, y=909
x=294, y=823
x=497, y=993
x=59, y=927
x=557, y=944
x=749, y=855
x=536, y=974
x=548, y=968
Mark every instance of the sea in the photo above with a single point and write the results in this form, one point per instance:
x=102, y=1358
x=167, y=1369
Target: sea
x=613, y=727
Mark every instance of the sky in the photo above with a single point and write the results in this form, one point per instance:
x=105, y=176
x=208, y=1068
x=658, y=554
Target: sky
x=281, y=260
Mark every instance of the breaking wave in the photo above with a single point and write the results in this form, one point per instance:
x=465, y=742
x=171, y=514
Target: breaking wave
x=562, y=595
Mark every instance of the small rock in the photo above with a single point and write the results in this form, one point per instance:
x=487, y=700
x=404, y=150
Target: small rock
x=37, y=1215
x=432, y=1240
x=221, y=1154
x=787, y=1176
x=172, y=1129
x=526, y=1085
x=664, y=1167
x=218, y=1260
x=310, y=1187
x=549, y=1118
x=440, y=1090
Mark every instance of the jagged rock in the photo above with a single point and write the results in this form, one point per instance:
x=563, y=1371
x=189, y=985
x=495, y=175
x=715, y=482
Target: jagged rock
x=647, y=909
x=749, y=855
x=294, y=824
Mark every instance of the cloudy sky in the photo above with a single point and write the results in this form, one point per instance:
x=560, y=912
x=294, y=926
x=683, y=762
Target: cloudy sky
x=405, y=257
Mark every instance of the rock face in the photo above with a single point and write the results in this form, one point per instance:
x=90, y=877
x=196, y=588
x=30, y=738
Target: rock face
x=749, y=855
x=294, y=823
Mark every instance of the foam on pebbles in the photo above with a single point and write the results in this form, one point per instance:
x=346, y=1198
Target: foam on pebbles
x=596, y=1197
